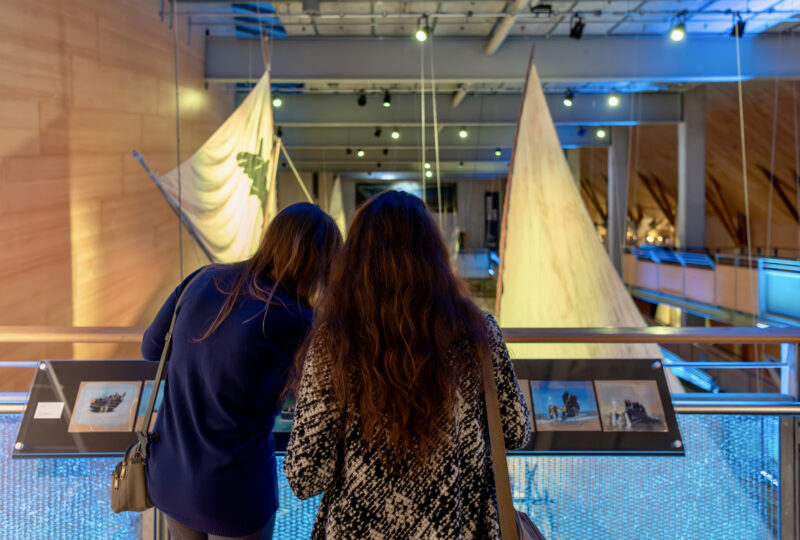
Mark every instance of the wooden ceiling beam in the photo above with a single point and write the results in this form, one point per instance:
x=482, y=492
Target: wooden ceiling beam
x=782, y=195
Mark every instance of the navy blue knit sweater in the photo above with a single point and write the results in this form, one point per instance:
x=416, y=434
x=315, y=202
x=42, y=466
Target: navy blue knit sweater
x=212, y=466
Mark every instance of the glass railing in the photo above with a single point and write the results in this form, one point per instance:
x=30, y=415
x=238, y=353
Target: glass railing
x=737, y=479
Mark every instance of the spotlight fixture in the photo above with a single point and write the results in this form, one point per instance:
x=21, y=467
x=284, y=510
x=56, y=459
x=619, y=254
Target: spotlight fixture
x=498, y=152
x=578, y=23
x=581, y=131
x=377, y=132
x=678, y=33
x=460, y=163
x=387, y=99
x=378, y=165
x=428, y=174
x=601, y=133
x=395, y=134
x=423, y=30
x=279, y=132
x=360, y=153
x=613, y=100
x=348, y=151
x=277, y=102
x=427, y=166
x=362, y=99
x=385, y=151
x=569, y=97
x=463, y=133
x=738, y=26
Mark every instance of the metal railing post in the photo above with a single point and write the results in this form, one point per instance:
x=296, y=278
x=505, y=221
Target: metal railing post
x=789, y=372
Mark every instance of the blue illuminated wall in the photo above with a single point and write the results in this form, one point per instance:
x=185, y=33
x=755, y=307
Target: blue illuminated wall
x=727, y=487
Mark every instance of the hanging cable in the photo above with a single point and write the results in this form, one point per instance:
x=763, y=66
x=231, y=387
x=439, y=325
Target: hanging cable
x=178, y=131
x=435, y=131
x=796, y=152
x=422, y=115
x=744, y=168
x=772, y=167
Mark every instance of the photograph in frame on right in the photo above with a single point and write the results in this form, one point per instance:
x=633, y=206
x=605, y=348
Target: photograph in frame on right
x=630, y=405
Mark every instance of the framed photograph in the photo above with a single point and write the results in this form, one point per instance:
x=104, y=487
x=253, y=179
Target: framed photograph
x=600, y=406
x=630, y=405
x=105, y=406
x=283, y=422
x=525, y=387
x=564, y=406
x=144, y=400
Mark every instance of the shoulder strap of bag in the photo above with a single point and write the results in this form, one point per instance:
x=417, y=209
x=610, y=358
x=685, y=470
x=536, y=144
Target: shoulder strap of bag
x=505, y=507
x=144, y=435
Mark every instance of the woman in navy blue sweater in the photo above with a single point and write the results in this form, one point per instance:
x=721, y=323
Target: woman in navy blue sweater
x=212, y=466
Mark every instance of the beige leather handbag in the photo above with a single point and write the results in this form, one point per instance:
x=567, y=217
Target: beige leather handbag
x=128, y=481
x=513, y=524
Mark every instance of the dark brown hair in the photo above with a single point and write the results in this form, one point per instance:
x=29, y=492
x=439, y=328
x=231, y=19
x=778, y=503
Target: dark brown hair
x=296, y=252
x=388, y=321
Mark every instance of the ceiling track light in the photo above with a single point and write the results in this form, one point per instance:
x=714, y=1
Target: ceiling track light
x=569, y=98
x=362, y=99
x=423, y=29
x=277, y=102
x=578, y=24
x=395, y=134
x=378, y=132
x=463, y=133
x=498, y=152
x=613, y=100
x=678, y=32
x=600, y=133
x=360, y=153
x=387, y=99
x=738, y=25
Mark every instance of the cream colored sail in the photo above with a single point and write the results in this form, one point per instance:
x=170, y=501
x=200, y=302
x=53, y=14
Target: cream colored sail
x=555, y=271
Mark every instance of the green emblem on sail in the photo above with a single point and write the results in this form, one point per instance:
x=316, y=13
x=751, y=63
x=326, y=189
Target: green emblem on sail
x=256, y=168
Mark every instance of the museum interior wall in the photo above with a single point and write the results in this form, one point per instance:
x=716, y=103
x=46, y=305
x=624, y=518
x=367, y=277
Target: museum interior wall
x=654, y=153
x=89, y=240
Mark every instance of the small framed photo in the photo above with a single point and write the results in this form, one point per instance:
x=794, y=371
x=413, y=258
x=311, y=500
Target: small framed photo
x=145, y=400
x=105, y=406
x=564, y=406
x=629, y=405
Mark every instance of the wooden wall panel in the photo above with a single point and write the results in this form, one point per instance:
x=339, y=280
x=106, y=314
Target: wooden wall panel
x=725, y=286
x=699, y=284
x=88, y=239
x=670, y=278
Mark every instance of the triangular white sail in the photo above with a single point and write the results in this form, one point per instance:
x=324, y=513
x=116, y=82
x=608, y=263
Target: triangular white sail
x=227, y=187
x=555, y=271
x=336, y=205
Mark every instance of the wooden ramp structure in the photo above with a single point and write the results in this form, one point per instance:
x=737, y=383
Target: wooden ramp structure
x=554, y=270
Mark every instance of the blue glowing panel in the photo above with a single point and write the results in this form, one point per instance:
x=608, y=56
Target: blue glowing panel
x=57, y=498
x=727, y=487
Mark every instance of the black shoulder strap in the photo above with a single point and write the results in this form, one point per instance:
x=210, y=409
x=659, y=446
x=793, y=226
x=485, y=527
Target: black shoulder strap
x=144, y=434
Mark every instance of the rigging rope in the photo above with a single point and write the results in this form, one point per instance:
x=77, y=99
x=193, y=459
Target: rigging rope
x=435, y=133
x=744, y=166
x=772, y=167
x=178, y=131
x=422, y=109
x=796, y=152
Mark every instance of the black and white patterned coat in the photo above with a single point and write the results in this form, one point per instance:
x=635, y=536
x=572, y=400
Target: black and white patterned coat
x=450, y=497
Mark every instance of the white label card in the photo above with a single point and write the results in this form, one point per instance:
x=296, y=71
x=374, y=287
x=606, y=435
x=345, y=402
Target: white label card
x=48, y=410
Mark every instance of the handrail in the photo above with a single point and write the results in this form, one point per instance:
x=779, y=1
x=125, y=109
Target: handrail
x=656, y=334
x=71, y=334
x=661, y=334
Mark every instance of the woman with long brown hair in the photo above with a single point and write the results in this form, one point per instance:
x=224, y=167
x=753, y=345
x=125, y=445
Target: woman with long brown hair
x=212, y=468
x=389, y=419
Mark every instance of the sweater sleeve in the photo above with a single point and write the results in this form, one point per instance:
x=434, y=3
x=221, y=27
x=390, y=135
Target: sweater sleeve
x=314, y=445
x=514, y=411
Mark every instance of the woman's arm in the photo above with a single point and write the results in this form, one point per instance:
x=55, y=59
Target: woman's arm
x=514, y=411
x=314, y=446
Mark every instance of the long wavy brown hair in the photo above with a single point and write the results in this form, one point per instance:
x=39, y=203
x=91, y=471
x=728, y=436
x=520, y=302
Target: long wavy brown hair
x=388, y=321
x=296, y=252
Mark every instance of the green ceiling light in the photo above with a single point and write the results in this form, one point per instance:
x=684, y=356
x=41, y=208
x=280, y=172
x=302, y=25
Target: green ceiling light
x=360, y=153
x=463, y=133
x=277, y=102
